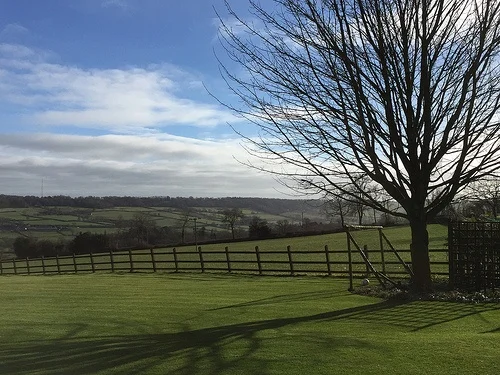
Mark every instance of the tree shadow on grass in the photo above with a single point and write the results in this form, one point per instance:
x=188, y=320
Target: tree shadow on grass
x=208, y=350
x=496, y=330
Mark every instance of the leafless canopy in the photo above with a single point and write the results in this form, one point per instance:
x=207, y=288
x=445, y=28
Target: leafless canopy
x=404, y=92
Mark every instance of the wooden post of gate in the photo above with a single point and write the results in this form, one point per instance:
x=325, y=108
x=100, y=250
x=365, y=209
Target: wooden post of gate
x=28, y=265
x=328, y=265
x=226, y=249
x=365, y=250
x=43, y=265
x=176, y=262
x=382, y=254
x=259, y=265
x=153, y=259
x=349, y=259
x=289, y=252
x=74, y=263
x=15, y=267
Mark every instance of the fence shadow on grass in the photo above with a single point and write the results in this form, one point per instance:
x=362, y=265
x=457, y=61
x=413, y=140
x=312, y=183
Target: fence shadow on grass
x=287, y=298
x=210, y=350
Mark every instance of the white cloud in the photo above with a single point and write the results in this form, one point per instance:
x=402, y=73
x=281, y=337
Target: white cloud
x=122, y=4
x=119, y=100
x=127, y=165
x=13, y=30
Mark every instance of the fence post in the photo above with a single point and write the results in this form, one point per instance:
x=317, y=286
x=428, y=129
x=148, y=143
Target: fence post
x=1, y=267
x=58, y=265
x=15, y=266
x=130, y=260
x=28, y=265
x=74, y=263
x=43, y=265
x=112, y=260
x=257, y=254
x=349, y=257
x=328, y=265
x=451, y=256
x=365, y=250
x=382, y=253
x=202, y=265
x=289, y=251
x=153, y=259
x=92, y=262
x=227, y=259
x=176, y=262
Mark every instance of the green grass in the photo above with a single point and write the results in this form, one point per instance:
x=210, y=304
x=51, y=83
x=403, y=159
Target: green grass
x=214, y=324
x=309, y=250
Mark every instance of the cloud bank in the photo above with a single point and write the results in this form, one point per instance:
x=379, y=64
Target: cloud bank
x=128, y=113
x=127, y=165
x=117, y=100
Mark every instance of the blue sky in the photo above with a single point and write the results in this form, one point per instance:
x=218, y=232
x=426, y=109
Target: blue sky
x=107, y=97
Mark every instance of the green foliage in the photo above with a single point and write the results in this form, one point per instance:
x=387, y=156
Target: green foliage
x=28, y=247
x=88, y=242
x=258, y=228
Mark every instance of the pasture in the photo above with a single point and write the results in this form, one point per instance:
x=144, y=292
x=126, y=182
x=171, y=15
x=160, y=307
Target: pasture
x=63, y=223
x=233, y=324
x=320, y=254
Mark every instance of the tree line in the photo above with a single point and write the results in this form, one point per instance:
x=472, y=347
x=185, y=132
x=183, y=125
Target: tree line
x=268, y=205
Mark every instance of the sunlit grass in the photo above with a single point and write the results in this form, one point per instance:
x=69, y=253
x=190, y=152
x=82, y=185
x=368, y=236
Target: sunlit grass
x=215, y=324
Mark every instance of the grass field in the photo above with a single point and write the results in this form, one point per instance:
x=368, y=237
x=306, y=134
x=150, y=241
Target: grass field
x=63, y=223
x=215, y=324
x=307, y=253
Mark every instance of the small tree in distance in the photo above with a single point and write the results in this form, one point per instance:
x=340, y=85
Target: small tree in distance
x=404, y=93
x=259, y=228
x=230, y=217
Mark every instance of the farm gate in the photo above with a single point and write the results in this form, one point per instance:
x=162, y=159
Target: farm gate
x=474, y=255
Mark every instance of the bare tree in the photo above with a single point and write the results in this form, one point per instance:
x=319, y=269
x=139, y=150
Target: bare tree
x=185, y=215
x=404, y=92
x=486, y=193
x=337, y=207
x=355, y=199
x=231, y=216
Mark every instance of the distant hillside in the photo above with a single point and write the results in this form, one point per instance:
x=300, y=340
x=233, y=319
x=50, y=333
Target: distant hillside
x=287, y=207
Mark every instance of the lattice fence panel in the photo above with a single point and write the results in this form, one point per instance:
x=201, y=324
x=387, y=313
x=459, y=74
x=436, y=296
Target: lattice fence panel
x=474, y=255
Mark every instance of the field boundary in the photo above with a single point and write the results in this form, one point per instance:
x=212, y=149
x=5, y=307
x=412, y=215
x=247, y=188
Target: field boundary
x=263, y=262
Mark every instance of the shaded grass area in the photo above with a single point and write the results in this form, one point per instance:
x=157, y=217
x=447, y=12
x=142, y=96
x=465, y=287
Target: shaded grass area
x=214, y=324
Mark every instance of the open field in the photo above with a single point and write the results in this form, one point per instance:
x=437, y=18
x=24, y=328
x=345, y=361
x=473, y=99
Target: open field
x=64, y=222
x=209, y=324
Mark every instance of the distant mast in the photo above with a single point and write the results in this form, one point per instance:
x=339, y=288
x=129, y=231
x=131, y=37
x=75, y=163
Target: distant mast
x=42, y=189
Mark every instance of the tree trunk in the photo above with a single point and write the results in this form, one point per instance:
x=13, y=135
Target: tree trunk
x=421, y=281
x=360, y=215
x=341, y=218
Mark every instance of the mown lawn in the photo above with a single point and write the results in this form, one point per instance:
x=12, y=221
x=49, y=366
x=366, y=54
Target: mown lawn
x=233, y=324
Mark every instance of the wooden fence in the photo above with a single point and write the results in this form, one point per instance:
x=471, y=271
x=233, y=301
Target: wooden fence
x=269, y=262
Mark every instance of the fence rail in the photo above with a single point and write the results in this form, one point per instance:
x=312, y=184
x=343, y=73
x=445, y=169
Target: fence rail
x=285, y=262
